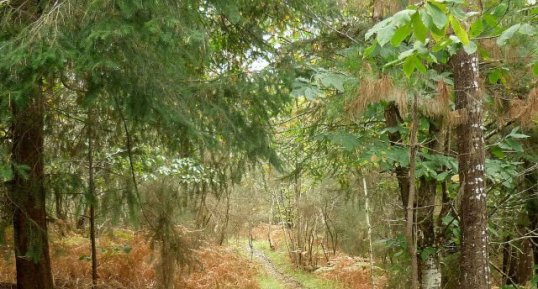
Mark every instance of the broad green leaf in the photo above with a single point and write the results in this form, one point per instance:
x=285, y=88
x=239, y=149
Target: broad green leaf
x=476, y=28
x=403, y=17
x=306, y=90
x=470, y=48
x=385, y=34
x=433, y=58
x=398, y=155
x=441, y=6
x=527, y=29
x=368, y=51
x=419, y=29
x=454, y=39
x=508, y=34
x=535, y=68
x=428, y=22
x=490, y=20
x=500, y=10
x=497, y=152
x=457, y=12
x=406, y=54
x=439, y=46
x=411, y=64
x=376, y=28
x=333, y=80
x=400, y=34
x=515, y=134
x=439, y=18
x=5, y=173
x=442, y=176
x=420, y=66
x=459, y=30
x=494, y=76
x=427, y=252
x=346, y=140
x=392, y=129
x=510, y=144
x=519, y=135
x=311, y=92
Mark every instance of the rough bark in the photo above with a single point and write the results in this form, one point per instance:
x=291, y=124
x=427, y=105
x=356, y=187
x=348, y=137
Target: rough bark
x=28, y=195
x=27, y=192
x=519, y=254
x=518, y=263
x=93, y=196
x=393, y=119
x=532, y=212
x=474, y=265
x=429, y=268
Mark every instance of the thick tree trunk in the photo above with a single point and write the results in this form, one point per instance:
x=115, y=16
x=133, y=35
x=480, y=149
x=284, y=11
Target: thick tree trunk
x=28, y=195
x=27, y=190
x=475, y=272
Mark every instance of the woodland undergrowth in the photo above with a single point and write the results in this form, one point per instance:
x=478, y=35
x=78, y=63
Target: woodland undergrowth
x=127, y=259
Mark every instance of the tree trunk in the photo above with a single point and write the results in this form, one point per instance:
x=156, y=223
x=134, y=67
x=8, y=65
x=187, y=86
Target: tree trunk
x=167, y=264
x=370, y=247
x=27, y=190
x=474, y=265
x=429, y=267
x=532, y=213
x=393, y=119
x=518, y=263
x=92, y=197
x=410, y=230
x=28, y=195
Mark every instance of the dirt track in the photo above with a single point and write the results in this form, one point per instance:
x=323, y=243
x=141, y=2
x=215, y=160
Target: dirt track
x=286, y=280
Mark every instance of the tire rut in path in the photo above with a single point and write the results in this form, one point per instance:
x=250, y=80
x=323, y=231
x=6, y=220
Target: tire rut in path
x=288, y=281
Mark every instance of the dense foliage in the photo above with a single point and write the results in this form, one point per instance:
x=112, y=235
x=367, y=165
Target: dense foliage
x=404, y=131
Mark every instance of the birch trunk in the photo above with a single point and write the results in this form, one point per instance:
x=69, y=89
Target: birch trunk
x=367, y=208
x=430, y=273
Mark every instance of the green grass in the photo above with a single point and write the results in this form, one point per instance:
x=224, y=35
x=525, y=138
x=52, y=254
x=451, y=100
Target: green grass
x=268, y=282
x=264, y=280
x=281, y=261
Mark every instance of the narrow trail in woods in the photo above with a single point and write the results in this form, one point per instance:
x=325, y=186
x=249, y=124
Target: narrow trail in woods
x=271, y=269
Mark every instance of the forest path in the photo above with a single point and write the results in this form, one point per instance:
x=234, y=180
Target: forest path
x=271, y=269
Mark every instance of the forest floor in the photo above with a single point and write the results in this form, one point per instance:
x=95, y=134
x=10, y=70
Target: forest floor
x=271, y=274
x=128, y=259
